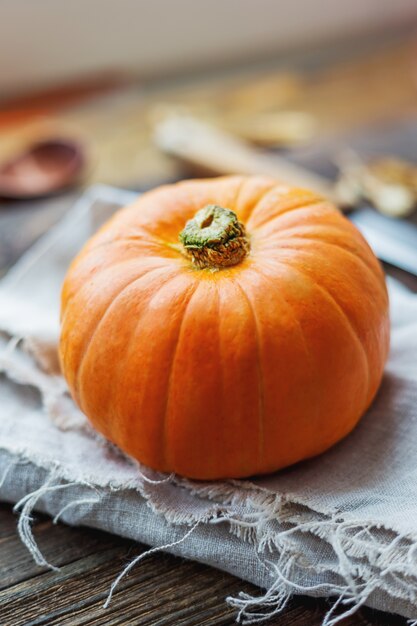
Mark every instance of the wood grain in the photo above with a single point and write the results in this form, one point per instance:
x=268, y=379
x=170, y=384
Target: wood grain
x=161, y=591
x=61, y=547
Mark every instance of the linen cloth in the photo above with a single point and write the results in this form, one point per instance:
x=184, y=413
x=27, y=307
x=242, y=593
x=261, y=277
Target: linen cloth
x=343, y=524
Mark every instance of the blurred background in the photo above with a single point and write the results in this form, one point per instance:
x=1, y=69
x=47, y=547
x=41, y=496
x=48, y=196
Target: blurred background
x=49, y=41
x=135, y=94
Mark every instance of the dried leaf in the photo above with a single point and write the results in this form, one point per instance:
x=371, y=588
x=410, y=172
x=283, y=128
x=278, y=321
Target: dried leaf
x=388, y=183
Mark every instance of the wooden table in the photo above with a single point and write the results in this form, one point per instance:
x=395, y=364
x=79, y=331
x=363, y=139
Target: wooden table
x=161, y=590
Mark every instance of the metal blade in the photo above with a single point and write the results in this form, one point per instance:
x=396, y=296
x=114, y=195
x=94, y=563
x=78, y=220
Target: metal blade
x=393, y=241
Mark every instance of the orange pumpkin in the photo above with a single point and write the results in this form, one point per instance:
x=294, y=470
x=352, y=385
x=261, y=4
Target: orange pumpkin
x=225, y=327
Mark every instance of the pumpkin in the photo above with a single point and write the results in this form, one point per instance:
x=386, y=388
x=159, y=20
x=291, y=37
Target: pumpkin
x=225, y=327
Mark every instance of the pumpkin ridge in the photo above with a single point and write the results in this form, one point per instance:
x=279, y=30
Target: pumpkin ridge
x=68, y=302
x=101, y=271
x=149, y=240
x=295, y=316
x=239, y=188
x=190, y=293
x=265, y=194
x=140, y=408
x=255, y=201
x=112, y=303
x=261, y=197
x=325, y=243
x=76, y=300
x=116, y=238
x=305, y=204
x=348, y=322
x=338, y=229
x=355, y=333
x=378, y=289
x=261, y=384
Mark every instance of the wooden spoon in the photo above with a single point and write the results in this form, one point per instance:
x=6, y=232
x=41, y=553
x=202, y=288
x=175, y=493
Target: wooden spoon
x=44, y=168
x=217, y=151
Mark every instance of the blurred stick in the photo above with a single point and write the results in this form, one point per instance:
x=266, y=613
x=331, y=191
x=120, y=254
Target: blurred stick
x=208, y=147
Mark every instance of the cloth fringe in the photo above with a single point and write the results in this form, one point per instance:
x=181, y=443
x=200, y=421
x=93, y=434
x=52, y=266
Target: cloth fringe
x=357, y=579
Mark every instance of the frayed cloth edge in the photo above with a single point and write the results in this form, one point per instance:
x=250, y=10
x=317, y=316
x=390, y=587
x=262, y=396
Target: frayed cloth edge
x=360, y=573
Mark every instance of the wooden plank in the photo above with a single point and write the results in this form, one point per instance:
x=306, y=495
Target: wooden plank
x=161, y=591
x=162, y=581
x=60, y=545
x=7, y=523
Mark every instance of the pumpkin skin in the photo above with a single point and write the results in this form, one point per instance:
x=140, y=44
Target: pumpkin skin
x=228, y=373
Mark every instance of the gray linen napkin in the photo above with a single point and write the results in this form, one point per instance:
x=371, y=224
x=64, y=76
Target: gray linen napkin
x=343, y=524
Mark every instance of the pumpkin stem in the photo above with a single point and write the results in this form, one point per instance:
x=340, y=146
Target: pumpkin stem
x=214, y=238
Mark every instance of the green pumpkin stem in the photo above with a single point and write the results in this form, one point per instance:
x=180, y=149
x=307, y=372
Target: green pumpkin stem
x=214, y=238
